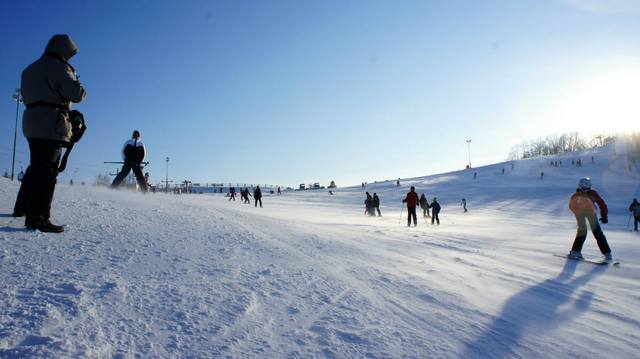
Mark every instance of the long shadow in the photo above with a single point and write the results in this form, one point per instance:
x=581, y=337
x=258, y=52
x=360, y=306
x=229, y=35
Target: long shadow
x=535, y=308
x=12, y=229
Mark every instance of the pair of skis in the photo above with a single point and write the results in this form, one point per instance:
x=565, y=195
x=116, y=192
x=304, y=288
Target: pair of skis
x=596, y=261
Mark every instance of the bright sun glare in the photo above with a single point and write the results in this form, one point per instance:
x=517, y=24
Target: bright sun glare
x=607, y=102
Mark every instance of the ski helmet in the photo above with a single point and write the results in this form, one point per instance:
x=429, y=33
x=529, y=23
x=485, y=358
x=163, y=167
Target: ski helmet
x=585, y=183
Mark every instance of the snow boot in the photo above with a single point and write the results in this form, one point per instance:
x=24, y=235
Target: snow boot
x=46, y=227
x=575, y=255
x=608, y=257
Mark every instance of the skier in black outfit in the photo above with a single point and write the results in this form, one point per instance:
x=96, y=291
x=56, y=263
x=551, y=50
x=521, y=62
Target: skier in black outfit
x=257, y=196
x=133, y=154
x=376, y=204
x=232, y=194
x=368, y=205
x=435, y=210
x=634, y=208
x=424, y=204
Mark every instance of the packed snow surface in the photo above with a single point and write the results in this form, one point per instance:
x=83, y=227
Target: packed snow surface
x=309, y=276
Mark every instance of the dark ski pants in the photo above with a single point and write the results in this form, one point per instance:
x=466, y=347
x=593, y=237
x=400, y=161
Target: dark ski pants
x=636, y=220
x=581, y=236
x=378, y=209
x=124, y=172
x=411, y=212
x=258, y=200
x=435, y=217
x=425, y=212
x=39, y=182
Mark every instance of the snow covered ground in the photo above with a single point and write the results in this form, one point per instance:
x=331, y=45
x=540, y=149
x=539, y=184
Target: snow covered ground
x=308, y=276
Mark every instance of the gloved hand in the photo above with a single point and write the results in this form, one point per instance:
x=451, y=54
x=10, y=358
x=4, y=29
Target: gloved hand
x=604, y=220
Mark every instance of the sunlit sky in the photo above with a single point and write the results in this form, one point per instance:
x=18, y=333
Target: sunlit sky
x=288, y=92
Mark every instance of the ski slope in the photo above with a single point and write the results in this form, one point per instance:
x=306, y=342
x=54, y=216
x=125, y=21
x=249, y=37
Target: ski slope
x=309, y=276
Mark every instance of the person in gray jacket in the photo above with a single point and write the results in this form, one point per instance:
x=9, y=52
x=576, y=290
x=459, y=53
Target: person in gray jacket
x=48, y=86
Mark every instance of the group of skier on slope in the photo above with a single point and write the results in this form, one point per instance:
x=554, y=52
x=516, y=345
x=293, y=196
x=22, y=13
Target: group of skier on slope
x=583, y=203
x=244, y=195
x=412, y=201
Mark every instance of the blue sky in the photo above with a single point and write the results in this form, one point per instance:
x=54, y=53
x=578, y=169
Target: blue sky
x=288, y=92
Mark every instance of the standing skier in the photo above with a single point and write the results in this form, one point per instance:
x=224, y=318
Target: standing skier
x=48, y=87
x=435, y=211
x=376, y=204
x=582, y=204
x=257, y=196
x=232, y=194
x=464, y=204
x=412, y=201
x=133, y=153
x=634, y=208
x=368, y=203
x=424, y=204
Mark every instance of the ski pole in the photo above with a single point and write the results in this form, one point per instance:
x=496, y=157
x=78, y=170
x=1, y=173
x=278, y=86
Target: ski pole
x=629, y=221
x=402, y=210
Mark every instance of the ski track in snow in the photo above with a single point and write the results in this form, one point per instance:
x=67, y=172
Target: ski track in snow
x=140, y=276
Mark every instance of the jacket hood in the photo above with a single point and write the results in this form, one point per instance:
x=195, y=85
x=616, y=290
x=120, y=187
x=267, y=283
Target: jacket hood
x=61, y=46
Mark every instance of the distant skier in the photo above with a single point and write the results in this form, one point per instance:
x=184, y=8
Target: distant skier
x=634, y=208
x=232, y=194
x=582, y=204
x=368, y=205
x=464, y=205
x=244, y=195
x=424, y=204
x=376, y=204
x=257, y=196
x=435, y=211
x=133, y=153
x=279, y=191
x=541, y=175
x=475, y=175
x=71, y=182
x=412, y=201
x=398, y=183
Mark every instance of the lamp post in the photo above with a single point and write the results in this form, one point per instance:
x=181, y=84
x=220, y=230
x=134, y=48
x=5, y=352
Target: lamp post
x=17, y=97
x=469, y=149
x=166, y=179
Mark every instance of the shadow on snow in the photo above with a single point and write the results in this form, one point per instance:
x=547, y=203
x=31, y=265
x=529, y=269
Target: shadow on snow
x=537, y=308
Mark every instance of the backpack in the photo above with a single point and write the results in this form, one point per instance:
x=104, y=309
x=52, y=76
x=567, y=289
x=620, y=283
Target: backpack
x=78, y=127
